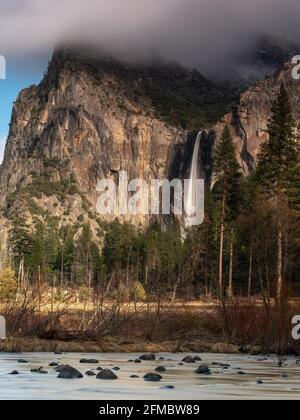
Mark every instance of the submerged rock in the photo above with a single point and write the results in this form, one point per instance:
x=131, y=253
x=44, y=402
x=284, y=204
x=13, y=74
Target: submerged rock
x=68, y=372
x=116, y=369
x=168, y=387
x=240, y=372
x=137, y=361
x=22, y=361
x=222, y=365
x=39, y=370
x=203, y=370
x=134, y=376
x=259, y=382
x=152, y=377
x=160, y=369
x=14, y=372
x=53, y=364
x=188, y=359
x=89, y=361
x=90, y=373
x=148, y=357
x=107, y=374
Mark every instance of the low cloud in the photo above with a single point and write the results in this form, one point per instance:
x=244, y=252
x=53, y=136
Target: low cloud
x=200, y=33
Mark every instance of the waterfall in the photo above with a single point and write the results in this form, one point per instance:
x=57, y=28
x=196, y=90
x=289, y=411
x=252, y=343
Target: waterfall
x=190, y=197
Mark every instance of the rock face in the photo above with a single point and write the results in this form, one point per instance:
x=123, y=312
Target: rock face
x=248, y=122
x=92, y=118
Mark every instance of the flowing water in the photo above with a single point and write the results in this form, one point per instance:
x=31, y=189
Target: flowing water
x=190, y=203
x=278, y=383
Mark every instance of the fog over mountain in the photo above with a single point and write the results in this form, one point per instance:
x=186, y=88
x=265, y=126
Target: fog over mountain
x=207, y=34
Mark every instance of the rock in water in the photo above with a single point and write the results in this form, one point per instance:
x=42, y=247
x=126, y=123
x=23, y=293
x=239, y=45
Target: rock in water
x=152, y=377
x=203, y=370
x=107, y=374
x=14, y=372
x=160, y=369
x=168, y=387
x=90, y=373
x=148, y=357
x=188, y=359
x=53, y=364
x=197, y=359
x=22, y=361
x=39, y=370
x=89, y=361
x=68, y=372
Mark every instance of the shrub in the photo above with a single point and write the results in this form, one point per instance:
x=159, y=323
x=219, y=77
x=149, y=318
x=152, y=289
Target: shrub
x=138, y=292
x=8, y=285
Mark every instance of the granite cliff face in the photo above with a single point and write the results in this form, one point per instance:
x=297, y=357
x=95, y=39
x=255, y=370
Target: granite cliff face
x=248, y=121
x=91, y=118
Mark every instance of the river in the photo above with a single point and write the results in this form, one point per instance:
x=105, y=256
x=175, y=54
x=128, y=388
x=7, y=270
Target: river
x=278, y=383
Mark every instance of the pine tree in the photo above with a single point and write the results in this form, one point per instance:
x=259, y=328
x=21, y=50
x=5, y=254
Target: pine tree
x=278, y=169
x=229, y=192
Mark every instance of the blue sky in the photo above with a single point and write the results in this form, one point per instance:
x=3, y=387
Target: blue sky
x=21, y=72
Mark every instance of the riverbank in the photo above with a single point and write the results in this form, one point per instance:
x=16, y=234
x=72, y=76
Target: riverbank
x=24, y=345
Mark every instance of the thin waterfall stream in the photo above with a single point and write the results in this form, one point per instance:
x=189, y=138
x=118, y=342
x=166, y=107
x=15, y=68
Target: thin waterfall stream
x=190, y=200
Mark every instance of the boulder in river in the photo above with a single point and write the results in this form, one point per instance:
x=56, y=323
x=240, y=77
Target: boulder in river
x=197, y=359
x=107, y=374
x=168, y=387
x=148, y=357
x=89, y=361
x=68, y=372
x=160, y=369
x=53, y=364
x=134, y=376
x=22, y=361
x=39, y=370
x=152, y=377
x=222, y=365
x=90, y=373
x=14, y=372
x=188, y=359
x=203, y=370
x=137, y=361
